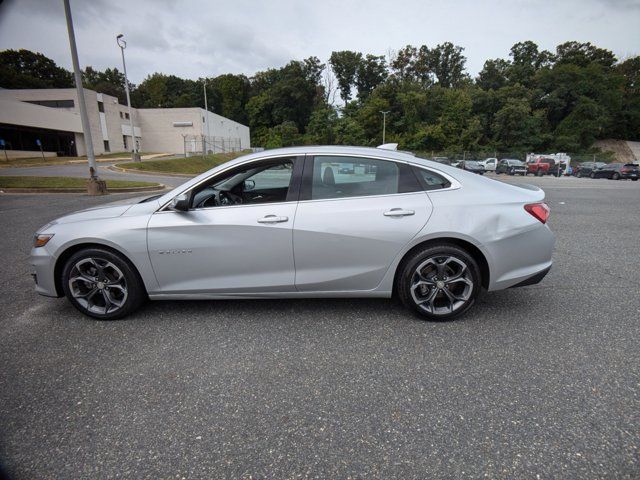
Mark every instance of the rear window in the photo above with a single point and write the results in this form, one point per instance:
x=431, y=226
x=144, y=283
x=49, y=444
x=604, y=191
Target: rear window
x=431, y=180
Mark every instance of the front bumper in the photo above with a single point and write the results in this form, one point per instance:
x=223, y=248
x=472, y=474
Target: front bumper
x=43, y=264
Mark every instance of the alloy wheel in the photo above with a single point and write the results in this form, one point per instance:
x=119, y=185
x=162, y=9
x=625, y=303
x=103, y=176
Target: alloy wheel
x=98, y=285
x=441, y=285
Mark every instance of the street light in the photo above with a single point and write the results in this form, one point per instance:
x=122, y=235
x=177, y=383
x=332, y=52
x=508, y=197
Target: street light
x=123, y=44
x=384, y=124
x=95, y=185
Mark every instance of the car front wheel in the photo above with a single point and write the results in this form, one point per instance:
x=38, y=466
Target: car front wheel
x=439, y=282
x=102, y=284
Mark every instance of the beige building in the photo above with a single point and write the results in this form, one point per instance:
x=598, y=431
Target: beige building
x=32, y=119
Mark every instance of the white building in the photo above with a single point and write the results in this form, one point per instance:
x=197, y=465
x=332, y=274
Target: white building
x=50, y=118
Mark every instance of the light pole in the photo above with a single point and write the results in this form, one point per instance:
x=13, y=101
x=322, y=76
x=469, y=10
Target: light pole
x=206, y=108
x=384, y=124
x=123, y=44
x=95, y=185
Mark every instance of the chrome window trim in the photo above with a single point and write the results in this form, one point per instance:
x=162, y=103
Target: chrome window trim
x=360, y=197
x=455, y=185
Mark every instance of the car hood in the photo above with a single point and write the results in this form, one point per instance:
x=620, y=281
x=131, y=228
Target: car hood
x=110, y=210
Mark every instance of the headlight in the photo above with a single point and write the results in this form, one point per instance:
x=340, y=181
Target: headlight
x=41, y=239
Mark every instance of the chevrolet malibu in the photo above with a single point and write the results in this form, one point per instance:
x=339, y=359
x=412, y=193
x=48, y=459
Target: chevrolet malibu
x=303, y=222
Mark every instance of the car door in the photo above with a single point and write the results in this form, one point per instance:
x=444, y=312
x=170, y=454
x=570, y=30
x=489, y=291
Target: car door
x=225, y=247
x=354, y=216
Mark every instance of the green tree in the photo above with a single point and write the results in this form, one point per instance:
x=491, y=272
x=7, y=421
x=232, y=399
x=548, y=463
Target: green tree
x=371, y=72
x=27, y=69
x=345, y=67
x=448, y=63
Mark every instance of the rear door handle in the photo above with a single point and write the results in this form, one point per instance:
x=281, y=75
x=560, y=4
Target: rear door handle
x=398, y=212
x=273, y=219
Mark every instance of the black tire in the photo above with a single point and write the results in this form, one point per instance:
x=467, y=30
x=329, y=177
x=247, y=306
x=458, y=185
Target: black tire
x=539, y=173
x=104, y=281
x=511, y=172
x=634, y=179
x=592, y=175
x=435, y=308
x=579, y=175
x=616, y=176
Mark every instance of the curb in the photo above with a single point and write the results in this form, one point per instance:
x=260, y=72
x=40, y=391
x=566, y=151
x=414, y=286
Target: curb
x=116, y=168
x=157, y=188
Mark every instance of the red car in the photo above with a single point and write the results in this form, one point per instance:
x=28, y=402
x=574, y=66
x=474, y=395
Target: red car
x=542, y=166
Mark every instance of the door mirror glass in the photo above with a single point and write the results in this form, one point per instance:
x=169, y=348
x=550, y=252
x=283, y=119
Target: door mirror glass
x=180, y=203
x=249, y=185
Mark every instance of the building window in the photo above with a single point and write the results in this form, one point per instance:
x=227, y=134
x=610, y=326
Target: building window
x=124, y=142
x=126, y=115
x=101, y=107
x=53, y=103
x=106, y=146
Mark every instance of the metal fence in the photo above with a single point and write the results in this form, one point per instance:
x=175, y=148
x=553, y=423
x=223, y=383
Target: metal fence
x=203, y=144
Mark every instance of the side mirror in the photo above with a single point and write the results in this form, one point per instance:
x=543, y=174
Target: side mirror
x=180, y=203
x=249, y=185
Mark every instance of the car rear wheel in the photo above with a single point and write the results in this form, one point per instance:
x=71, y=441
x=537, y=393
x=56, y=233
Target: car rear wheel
x=539, y=173
x=616, y=176
x=439, y=282
x=102, y=284
x=579, y=175
x=511, y=171
x=592, y=175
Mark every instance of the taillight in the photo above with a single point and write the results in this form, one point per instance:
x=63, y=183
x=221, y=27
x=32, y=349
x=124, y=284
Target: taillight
x=539, y=210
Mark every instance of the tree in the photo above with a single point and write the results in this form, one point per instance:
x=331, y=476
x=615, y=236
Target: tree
x=447, y=63
x=26, y=69
x=371, y=72
x=526, y=61
x=111, y=82
x=582, y=54
x=345, y=66
x=493, y=75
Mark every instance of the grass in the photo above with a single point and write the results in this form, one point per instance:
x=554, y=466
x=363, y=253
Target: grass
x=25, y=162
x=63, y=182
x=189, y=165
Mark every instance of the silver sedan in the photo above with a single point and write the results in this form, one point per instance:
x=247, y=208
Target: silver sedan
x=303, y=222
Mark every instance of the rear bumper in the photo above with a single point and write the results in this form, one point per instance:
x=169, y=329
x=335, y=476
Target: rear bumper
x=533, y=279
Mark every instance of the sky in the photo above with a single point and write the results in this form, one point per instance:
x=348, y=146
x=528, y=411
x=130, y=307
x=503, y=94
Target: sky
x=198, y=38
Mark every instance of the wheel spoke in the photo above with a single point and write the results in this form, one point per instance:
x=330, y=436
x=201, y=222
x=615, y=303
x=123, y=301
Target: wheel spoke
x=82, y=278
x=460, y=280
x=430, y=299
x=450, y=297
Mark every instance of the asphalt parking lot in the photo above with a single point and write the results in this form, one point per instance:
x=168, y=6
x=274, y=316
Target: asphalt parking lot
x=536, y=382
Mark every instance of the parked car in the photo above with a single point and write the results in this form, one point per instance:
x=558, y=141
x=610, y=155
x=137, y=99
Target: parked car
x=542, y=166
x=617, y=171
x=279, y=224
x=443, y=160
x=471, y=166
x=489, y=164
x=584, y=169
x=511, y=166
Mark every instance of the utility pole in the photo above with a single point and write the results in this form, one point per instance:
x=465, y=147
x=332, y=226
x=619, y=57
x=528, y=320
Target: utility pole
x=95, y=186
x=206, y=108
x=123, y=44
x=384, y=125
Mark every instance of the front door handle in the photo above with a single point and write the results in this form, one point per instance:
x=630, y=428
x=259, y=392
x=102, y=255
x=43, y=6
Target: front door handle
x=273, y=219
x=398, y=212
